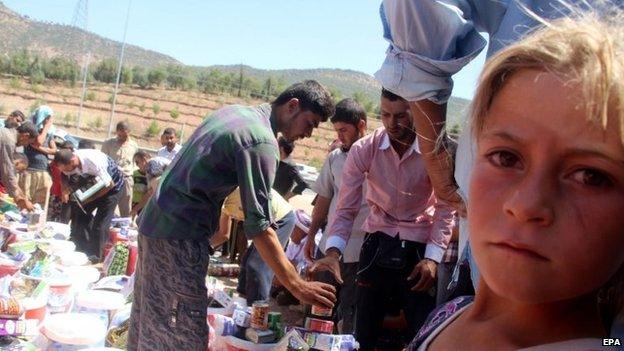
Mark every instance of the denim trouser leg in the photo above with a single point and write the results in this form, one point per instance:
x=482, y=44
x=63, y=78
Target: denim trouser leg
x=258, y=275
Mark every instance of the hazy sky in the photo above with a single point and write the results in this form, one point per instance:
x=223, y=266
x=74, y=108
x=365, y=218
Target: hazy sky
x=269, y=34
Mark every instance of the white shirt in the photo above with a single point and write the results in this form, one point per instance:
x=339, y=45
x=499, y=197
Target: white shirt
x=93, y=162
x=163, y=152
x=328, y=185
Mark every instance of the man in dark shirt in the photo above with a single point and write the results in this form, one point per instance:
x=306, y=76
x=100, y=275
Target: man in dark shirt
x=288, y=181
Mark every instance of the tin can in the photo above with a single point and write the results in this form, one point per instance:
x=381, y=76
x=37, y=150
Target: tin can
x=319, y=325
x=260, y=315
x=321, y=311
x=275, y=323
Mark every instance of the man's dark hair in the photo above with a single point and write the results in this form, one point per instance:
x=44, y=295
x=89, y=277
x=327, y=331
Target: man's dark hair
x=141, y=154
x=28, y=128
x=312, y=97
x=68, y=145
x=86, y=144
x=123, y=125
x=18, y=156
x=287, y=146
x=169, y=131
x=63, y=157
x=349, y=111
x=390, y=95
x=18, y=113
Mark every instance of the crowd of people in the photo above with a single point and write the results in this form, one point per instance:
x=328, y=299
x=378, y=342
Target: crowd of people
x=538, y=183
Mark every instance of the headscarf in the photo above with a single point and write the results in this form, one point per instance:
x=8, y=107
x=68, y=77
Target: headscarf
x=39, y=116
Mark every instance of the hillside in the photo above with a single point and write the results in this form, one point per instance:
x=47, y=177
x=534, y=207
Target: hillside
x=49, y=39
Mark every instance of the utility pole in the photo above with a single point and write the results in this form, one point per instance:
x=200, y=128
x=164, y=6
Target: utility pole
x=119, y=65
x=240, y=80
x=80, y=20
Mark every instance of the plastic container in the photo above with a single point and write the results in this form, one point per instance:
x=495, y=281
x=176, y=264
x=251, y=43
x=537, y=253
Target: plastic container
x=74, y=259
x=73, y=332
x=35, y=308
x=233, y=343
x=6, y=269
x=132, y=258
x=56, y=247
x=99, y=303
x=61, y=295
x=82, y=276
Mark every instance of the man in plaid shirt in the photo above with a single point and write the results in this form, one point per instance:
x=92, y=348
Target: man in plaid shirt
x=235, y=146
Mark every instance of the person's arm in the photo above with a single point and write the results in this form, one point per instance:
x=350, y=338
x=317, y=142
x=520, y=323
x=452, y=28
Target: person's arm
x=441, y=230
x=223, y=234
x=430, y=119
x=429, y=42
x=48, y=150
x=319, y=217
x=139, y=206
x=349, y=203
x=255, y=168
x=313, y=293
x=9, y=178
x=43, y=134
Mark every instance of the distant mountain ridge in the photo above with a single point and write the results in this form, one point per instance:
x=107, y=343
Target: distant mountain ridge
x=51, y=39
x=19, y=32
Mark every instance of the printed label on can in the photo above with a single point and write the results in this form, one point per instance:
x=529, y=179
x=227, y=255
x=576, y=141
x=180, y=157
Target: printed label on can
x=260, y=315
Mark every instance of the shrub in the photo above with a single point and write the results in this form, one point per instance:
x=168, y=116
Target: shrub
x=15, y=83
x=153, y=129
x=174, y=113
x=142, y=107
x=90, y=96
x=156, y=109
x=96, y=123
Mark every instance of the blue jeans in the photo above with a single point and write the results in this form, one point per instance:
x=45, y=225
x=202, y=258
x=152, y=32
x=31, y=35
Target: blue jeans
x=254, y=280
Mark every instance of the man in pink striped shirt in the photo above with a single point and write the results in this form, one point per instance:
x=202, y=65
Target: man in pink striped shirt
x=408, y=228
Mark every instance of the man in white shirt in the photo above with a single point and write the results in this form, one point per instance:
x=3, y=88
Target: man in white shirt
x=171, y=148
x=81, y=167
x=349, y=121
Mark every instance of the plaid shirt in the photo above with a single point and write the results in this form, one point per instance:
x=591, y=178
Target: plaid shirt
x=235, y=146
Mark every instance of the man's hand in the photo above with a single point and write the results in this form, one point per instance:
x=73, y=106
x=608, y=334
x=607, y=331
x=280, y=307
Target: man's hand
x=24, y=204
x=64, y=197
x=314, y=293
x=330, y=263
x=426, y=269
x=310, y=248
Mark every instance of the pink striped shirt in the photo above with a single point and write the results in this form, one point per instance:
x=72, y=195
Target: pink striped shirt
x=399, y=194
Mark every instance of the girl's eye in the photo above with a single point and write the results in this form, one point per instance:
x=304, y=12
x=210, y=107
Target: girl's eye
x=503, y=159
x=592, y=177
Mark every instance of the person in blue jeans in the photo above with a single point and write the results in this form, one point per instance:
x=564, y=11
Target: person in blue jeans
x=254, y=280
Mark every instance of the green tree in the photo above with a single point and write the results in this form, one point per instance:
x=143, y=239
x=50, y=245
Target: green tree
x=35, y=72
x=139, y=77
x=174, y=113
x=156, y=77
x=152, y=129
x=126, y=76
x=19, y=63
x=106, y=71
x=156, y=109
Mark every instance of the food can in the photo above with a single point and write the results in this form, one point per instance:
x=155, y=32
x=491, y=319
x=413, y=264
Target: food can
x=319, y=325
x=260, y=315
x=321, y=311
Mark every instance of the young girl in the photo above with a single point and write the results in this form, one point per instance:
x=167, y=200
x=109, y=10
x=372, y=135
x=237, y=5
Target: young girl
x=546, y=208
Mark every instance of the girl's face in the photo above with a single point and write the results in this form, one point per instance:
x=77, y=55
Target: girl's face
x=546, y=205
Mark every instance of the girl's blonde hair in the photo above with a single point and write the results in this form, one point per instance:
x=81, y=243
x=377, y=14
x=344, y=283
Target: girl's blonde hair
x=584, y=48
